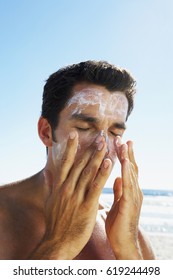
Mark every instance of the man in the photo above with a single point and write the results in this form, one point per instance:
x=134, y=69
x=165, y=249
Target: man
x=56, y=214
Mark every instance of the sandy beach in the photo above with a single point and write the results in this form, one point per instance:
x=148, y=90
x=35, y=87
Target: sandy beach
x=163, y=246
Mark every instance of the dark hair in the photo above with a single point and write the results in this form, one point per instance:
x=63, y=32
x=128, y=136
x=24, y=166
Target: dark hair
x=59, y=86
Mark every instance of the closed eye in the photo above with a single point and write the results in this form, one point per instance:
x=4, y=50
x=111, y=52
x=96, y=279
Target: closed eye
x=116, y=134
x=83, y=129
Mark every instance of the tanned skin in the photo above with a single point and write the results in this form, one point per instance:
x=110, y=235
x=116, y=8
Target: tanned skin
x=56, y=214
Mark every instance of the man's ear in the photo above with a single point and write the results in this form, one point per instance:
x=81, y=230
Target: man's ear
x=45, y=131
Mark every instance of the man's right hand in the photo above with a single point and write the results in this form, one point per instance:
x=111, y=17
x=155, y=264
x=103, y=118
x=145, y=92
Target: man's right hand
x=72, y=205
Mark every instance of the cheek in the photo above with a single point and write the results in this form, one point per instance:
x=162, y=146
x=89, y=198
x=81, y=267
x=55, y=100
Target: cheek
x=59, y=147
x=58, y=150
x=86, y=141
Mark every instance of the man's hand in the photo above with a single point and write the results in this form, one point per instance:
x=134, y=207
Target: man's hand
x=122, y=220
x=72, y=205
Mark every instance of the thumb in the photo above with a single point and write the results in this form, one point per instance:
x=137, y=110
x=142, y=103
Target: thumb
x=117, y=189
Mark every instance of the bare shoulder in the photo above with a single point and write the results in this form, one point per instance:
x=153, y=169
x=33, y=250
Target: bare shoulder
x=20, y=221
x=7, y=196
x=7, y=210
x=11, y=197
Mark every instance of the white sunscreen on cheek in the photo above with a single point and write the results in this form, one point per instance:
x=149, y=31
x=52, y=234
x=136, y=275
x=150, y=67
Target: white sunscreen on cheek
x=58, y=150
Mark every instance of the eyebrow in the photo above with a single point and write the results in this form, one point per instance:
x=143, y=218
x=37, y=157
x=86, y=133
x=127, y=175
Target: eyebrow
x=89, y=119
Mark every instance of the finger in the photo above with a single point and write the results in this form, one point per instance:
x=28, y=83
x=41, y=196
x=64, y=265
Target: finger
x=125, y=151
x=126, y=177
x=74, y=175
x=90, y=171
x=131, y=190
x=99, y=182
x=67, y=160
x=117, y=144
x=137, y=193
x=121, y=149
x=87, y=166
x=117, y=188
x=133, y=164
x=131, y=155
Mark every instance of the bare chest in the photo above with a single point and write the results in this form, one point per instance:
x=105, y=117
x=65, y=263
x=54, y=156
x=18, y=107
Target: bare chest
x=24, y=231
x=20, y=233
x=98, y=247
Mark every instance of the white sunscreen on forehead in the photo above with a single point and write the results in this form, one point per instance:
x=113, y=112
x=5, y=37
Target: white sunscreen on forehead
x=113, y=104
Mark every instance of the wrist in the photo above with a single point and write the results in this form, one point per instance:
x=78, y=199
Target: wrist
x=129, y=256
x=129, y=252
x=49, y=250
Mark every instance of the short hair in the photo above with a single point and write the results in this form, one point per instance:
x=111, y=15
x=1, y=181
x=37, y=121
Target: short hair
x=59, y=86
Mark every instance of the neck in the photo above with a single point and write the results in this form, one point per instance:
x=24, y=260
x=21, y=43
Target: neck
x=38, y=189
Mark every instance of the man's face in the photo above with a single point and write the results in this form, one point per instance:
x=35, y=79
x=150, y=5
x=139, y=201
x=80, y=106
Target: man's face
x=92, y=110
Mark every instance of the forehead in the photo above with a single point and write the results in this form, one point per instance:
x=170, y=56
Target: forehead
x=98, y=98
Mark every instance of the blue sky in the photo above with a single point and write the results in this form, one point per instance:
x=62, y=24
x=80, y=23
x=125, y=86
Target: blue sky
x=38, y=37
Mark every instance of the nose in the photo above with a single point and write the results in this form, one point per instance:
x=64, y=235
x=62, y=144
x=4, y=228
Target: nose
x=111, y=152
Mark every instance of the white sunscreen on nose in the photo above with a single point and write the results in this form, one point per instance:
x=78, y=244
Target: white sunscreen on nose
x=102, y=132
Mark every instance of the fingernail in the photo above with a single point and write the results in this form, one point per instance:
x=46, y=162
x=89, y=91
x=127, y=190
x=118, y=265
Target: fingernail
x=72, y=135
x=117, y=141
x=99, y=139
x=106, y=163
x=100, y=146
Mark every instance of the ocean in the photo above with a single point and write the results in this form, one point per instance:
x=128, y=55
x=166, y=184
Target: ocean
x=156, y=213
